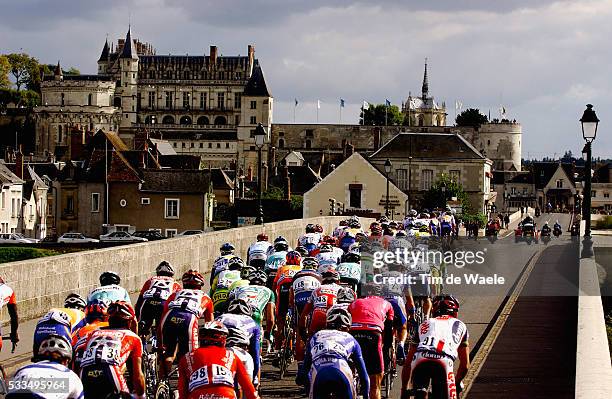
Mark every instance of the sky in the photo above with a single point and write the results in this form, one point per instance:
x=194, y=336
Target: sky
x=542, y=60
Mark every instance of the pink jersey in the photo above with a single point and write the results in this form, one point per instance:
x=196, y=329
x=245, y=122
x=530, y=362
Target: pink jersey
x=370, y=313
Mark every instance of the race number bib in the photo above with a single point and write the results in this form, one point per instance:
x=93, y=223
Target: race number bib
x=104, y=349
x=198, y=378
x=349, y=271
x=328, y=347
x=160, y=289
x=188, y=300
x=305, y=284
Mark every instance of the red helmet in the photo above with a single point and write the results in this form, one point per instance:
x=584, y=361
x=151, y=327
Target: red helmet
x=445, y=305
x=121, y=310
x=318, y=228
x=262, y=237
x=328, y=240
x=193, y=278
x=373, y=224
x=294, y=258
x=376, y=230
x=213, y=333
x=97, y=310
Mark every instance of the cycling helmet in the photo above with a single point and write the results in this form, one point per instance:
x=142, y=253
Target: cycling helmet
x=310, y=263
x=213, y=333
x=350, y=257
x=281, y=246
x=445, y=305
x=244, y=273
x=376, y=230
x=345, y=295
x=374, y=224
x=97, y=310
x=193, y=279
x=293, y=258
x=343, y=223
x=279, y=239
x=393, y=225
x=400, y=233
x=121, y=310
x=237, y=337
x=75, y=301
x=326, y=248
x=318, y=228
x=413, y=213
x=329, y=274
x=372, y=289
x=258, y=277
x=354, y=224
x=328, y=240
x=338, y=318
x=110, y=278
x=240, y=306
x=57, y=316
x=303, y=251
x=383, y=219
x=164, y=269
x=55, y=346
x=310, y=228
x=262, y=237
x=235, y=263
x=227, y=249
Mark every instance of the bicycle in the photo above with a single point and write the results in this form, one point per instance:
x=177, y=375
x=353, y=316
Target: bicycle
x=390, y=368
x=285, y=354
x=149, y=365
x=168, y=387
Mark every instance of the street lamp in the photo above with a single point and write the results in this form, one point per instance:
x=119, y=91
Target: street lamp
x=443, y=189
x=589, y=122
x=387, y=171
x=260, y=139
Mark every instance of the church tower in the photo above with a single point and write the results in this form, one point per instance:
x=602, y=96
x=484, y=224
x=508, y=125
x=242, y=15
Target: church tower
x=128, y=64
x=424, y=110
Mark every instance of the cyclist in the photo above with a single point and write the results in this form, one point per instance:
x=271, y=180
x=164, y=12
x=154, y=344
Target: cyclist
x=277, y=240
x=303, y=251
x=110, y=289
x=321, y=299
x=311, y=238
x=96, y=316
x=74, y=305
x=179, y=323
x=442, y=339
x=393, y=292
x=329, y=353
x=327, y=255
x=339, y=231
x=50, y=364
x=419, y=288
x=219, y=290
x=7, y=297
x=239, y=315
x=238, y=342
x=154, y=292
x=109, y=351
x=211, y=370
x=276, y=259
x=372, y=324
x=258, y=251
x=54, y=322
x=282, y=287
x=227, y=252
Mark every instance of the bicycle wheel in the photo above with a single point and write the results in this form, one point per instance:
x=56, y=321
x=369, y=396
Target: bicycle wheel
x=164, y=391
x=387, y=384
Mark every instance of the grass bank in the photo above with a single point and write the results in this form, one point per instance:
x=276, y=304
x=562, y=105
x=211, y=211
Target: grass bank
x=12, y=254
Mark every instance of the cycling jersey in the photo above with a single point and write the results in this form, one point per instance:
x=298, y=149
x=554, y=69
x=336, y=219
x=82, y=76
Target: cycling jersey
x=150, y=304
x=211, y=372
x=257, y=296
x=284, y=275
x=220, y=264
x=304, y=283
x=111, y=293
x=70, y=386
x=309, y=239
x=275, y=261
x=247, y=324
x=219, y=290
x=189, y=300
x=260, y=248
x=319, y=302
x=350, y=273
x=247, y=360
x=55, y=322
x=328, y=258
x=104, y=361
x=79, y=341
x=7, y=297
x=327, y=359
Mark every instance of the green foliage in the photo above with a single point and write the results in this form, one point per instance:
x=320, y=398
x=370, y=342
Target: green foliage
x=12, y=254
x=435, y=198
x=480, y=218
x=25, y=71
x=297, y=202
x=49, y=69
x=604, y=224
x=374, y=115
x=274, y=193
x=5, y=69
x=25, y=98
x=471, y=117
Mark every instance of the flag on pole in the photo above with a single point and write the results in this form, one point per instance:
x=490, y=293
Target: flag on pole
x=341, y=103
x=387, y=103
x=458, y=105
x=296, y=102
x=318, y=104
x=366, y=105
x=502, y=111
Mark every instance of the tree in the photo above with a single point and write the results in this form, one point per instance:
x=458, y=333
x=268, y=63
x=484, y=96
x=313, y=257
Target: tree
x=435, y=198
x=374, y=115
x=5, y=69
x=471, y=117
x=72, y=71
x=25, y=70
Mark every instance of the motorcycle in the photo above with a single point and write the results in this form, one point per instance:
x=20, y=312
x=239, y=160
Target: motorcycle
x=557, y=231
x=545, y=234
x=537, y=212
x=492, y=229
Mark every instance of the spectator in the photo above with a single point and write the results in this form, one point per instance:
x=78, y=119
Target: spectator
x=507, y=220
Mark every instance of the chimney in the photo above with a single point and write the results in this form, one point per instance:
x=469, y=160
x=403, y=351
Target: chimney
x=19, y=164
x=251, y=53
x=377, y=135
x=213, y=55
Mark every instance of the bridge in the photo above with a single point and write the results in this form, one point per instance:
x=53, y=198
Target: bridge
x=532, y=336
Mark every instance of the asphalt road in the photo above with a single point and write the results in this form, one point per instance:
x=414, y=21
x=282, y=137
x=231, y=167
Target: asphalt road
x=479, y=303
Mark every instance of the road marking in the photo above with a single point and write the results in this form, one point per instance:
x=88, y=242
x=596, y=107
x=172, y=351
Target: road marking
x=486, y=343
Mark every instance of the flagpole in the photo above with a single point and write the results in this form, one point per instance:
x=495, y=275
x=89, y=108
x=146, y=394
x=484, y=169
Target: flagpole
x=317, y=111
x=294, y=107
x=386, y=108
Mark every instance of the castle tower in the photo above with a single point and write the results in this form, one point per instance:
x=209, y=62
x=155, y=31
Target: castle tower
x=424, y=110
x=103, y=61
x=57, y=74
x=128, y=64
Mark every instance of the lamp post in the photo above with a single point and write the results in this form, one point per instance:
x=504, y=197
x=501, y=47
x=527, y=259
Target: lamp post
x=589, y=122
x=443, y=189
x=387, y=171
x=260, y=138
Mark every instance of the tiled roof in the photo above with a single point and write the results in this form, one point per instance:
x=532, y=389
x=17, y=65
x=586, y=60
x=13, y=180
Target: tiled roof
x=8, y=177
x=175, y=180
x=256, y=86
x=428, y=146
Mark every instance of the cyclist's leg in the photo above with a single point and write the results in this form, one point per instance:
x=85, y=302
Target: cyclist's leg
x=98, y=381
x=331, y=379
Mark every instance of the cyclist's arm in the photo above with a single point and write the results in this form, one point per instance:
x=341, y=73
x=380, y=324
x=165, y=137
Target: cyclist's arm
x=208, y=309
x=464, y=361
x=138, y=380
x=244, y=380
x=361, y=370
x=12, y=311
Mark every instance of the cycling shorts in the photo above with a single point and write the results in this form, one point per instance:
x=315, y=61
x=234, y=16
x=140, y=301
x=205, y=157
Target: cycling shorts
x=150, y=311
x=300, y=300
x=332, y=378
x=370, y=342
x=44, y=330
x=399, y=310
x=282, y=300
x=439, y=369
x=102, y=380
x=179, y=328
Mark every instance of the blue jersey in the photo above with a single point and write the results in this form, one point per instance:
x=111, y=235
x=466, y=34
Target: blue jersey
x=333, y=349
x=110, y=293
x=276, y=260
x=247, y=324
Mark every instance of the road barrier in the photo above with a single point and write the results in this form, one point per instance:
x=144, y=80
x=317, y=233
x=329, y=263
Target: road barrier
x=43, y=283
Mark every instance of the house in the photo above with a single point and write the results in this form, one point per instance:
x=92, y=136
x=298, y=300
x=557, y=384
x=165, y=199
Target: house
x=419, y=159
x=10, y=200
x=554, y=184
x=601, y=188
x=359, y=186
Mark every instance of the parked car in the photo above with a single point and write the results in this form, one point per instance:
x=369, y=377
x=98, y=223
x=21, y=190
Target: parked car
x=189, y=233
x=13, y=238
x=121, y=236
x=151, y=235
x=32, y=240
x=75, y=238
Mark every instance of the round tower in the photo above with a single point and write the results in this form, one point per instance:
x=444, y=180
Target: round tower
x=501, y=142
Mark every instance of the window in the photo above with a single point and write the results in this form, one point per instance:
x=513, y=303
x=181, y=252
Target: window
x=59, y=134
x=13, y=208
x=308, y=144
x=253, y=120
x=202, y=100
x=170, y=233
x=192, y=145
x=218, y=145
x=455, y=175
x=151, y=99
x=183, y=145
x=89, y=99
x=606, y=195
x=402, y=179
x=201, y=145
x=237, y=100
x=281, y=143
x=252, y=135
x=426, y=179
x=593, y=193
x=172, y=208
x=69, y=204
x=513, y=190
x=145, y=201
x=253, y=104
x=221, y=100
x=169, y=99
x=174, y=144
x=236, y=120
x=309, y=133
x=95, y=202
x=209, y=145
x=3, y=200
x=560, y=183
x=355, y=195
x=186, y=100
x=62, y=101
x=227, y=145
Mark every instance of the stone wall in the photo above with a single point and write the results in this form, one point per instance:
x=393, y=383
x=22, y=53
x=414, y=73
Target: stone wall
x=42, y=283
